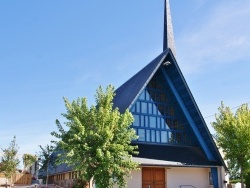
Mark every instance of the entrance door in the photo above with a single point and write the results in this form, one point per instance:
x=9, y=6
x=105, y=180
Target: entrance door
x=153, y=178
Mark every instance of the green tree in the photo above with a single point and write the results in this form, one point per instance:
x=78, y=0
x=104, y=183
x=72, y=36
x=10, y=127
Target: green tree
x=9, y=161
x=98, y=141
x=46, y=159
x=233, y=136
x=28, y=160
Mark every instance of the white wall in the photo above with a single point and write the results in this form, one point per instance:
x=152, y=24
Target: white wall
x=223, y=176
x=176, y=176
x=135, y=181
x=197, y=177
x=2, y=180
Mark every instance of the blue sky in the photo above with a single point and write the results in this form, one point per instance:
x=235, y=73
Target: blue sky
x=51, y=49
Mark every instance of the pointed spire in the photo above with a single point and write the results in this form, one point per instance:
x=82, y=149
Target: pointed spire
x=168, y=29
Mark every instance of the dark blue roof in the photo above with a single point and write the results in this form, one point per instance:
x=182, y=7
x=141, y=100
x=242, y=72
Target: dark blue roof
x=127, y=94
x=53, y=167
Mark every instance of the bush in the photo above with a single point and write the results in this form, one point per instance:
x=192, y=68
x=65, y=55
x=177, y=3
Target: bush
x=235, y=181
x=247, y=180
x=79, y=183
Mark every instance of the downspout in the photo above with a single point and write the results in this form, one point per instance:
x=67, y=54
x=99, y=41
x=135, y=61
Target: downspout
x=214, y=171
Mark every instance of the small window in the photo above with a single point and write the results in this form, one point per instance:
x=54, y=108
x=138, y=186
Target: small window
x=150, y=108
x=138, y=107
x=133, y=108
x=171, y=138
x=155, y=109
x=136, y=120
x=148, y=135
x=148, y=96
x=142, y=96
x=152, y=135
x=153, y=95
x=169, y=123
x=161, y=109
x=142, y=121
x=164, y=136
x=144, y=107
x=152, y=121
x=158, y=139
x=146, y=121
x=163, y=124
x=141, y=134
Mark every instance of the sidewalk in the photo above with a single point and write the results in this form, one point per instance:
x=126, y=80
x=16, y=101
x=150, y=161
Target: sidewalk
x=31, y=186
x=36, y=186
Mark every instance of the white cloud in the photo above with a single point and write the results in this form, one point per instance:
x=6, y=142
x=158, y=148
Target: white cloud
x=224, y=37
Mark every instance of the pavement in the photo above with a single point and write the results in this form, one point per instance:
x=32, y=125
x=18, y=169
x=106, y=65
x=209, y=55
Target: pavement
x=30, y=186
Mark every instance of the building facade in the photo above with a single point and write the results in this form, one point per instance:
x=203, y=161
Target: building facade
x=176, y=148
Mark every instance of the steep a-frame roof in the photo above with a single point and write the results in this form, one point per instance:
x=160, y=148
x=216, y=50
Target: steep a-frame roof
x=127, y=94
x=129, y=91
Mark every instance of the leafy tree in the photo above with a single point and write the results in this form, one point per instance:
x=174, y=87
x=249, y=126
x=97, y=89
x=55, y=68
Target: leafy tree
x=9, y=160
x=98, y=141
x=247, y=180
x=28, y=160
x=233, y=136
x=46, y=159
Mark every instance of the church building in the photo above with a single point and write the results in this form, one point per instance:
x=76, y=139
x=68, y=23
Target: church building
x=176, y=149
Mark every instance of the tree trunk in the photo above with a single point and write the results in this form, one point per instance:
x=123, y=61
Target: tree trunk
x=6, y=182
x=11, y=181
x=242, y=178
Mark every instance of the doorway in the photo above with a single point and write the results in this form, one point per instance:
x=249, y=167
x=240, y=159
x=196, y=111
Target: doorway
x=153, y=177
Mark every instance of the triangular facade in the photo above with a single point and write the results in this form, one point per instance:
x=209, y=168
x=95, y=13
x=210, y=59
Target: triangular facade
x=166, y=117
x=175, y=146
x=159, y=99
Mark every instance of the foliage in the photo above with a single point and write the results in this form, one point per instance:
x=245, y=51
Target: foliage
x=10, y=161
x=80, y=183
x=97, y=143
x=235, y=181
x=45, y=154
x=28, y=160
x=234, y=171
x=46, y=159
x=233, y=136
x=247, y=180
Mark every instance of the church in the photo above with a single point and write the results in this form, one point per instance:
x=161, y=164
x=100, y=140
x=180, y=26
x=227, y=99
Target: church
x=176, y=149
